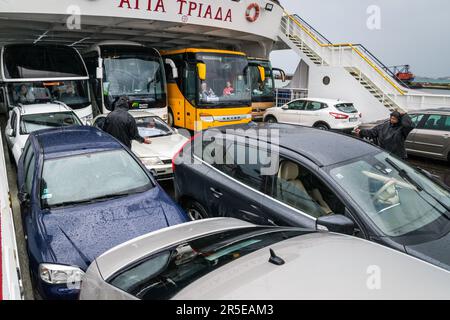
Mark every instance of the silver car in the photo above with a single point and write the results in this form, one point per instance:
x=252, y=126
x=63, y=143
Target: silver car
x=229, y=259
x=431, y=137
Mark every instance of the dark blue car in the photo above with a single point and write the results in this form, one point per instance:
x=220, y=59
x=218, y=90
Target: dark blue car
x=82, y=193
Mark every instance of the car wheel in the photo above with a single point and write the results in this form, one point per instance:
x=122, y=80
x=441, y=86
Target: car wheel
x=170, y=119
x=322, y=126
x=195, y=210
x=271, y=119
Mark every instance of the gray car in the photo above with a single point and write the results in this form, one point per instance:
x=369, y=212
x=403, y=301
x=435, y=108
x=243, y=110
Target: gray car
x=229, y=259
x=431, y=137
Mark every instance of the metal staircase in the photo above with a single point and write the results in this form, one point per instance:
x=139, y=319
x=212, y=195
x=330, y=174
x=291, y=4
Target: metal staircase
x=358, y=62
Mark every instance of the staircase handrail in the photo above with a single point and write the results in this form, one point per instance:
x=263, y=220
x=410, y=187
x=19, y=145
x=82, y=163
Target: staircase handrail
x=349, y=45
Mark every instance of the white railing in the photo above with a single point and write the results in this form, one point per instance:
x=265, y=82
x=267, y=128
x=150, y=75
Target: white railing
x=359, y=59
x=283, y=96
x=10, y=269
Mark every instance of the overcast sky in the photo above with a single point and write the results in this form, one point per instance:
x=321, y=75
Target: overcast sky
x=414, y=32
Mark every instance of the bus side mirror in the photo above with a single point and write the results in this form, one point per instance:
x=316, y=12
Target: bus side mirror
x=173, y=66
x=99, y=73
x=282, y=74
x=262, y=73
x=201, y=69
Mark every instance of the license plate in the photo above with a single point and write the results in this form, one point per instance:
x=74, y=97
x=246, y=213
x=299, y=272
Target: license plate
x=353, y=119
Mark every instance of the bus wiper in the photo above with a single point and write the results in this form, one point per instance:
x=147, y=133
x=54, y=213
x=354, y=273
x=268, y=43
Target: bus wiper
x=408, y=178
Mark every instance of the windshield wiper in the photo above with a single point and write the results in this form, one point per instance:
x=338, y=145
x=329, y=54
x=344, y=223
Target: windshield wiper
x=408, y=178
x=404, y=174
x=92, y=200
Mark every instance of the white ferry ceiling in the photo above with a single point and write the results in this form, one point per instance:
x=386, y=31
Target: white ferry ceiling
x=186, y=8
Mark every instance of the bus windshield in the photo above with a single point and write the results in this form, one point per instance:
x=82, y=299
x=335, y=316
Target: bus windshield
x=74, y=93
x=135, y=72
x=262, y=91
x=227, y=80
x=28, y=61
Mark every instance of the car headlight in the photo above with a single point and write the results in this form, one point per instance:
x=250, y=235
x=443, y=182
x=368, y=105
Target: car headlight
x=152, y=161
x=59, y=274
x=87, y=118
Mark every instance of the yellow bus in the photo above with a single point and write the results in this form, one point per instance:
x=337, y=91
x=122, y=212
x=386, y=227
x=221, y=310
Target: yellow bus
x=263, y=92
x=208, y=88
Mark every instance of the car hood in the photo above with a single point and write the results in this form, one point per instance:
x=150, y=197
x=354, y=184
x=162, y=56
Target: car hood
x=163, y=147
x=77, y=235
x=435, y=252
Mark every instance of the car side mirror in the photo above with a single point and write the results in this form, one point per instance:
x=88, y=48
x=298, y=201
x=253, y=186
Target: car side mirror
x=336, y=223
x=285, y=107
x=23, y=197
x=176, y=130
x=9, y=132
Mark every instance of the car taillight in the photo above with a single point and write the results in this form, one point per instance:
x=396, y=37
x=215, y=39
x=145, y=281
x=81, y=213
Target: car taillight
x=338, y=115
x=181, y=149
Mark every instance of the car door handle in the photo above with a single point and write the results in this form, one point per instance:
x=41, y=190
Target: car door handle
x=216, y=193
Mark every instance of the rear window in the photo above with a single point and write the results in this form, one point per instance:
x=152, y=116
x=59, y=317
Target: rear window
x=163, y=275
x=42, y=62
x=33, y=122
x=346, y=107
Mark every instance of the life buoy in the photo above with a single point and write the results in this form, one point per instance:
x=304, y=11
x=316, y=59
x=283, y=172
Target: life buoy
x=248, y=14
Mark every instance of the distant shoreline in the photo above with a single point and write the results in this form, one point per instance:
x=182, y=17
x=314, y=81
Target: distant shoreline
x=429, y=85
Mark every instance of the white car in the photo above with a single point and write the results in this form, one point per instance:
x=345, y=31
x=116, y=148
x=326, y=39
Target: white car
x=25, y=119
x=324, y=114
x=166, y=142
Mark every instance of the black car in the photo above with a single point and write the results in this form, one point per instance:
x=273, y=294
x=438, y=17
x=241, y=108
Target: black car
x=274, y=174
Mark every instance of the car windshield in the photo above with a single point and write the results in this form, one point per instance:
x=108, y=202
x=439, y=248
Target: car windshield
x=135, y=72
x=74, y=93
x=346, y=107
x=33, y=122
x=92, y=176
x=165, y=274
x=262, y=91
x=397, y=205
x=227, y=80
x=152, y=127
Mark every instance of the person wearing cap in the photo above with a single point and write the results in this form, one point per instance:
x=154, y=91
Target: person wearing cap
x=391, y=135
x=122, y=126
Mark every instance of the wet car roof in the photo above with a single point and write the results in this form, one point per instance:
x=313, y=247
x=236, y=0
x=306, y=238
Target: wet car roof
x=322, y=147
x=74, y=140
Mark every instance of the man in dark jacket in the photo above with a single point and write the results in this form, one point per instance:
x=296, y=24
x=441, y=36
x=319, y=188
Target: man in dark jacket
x=121, y=125
x=391, y=135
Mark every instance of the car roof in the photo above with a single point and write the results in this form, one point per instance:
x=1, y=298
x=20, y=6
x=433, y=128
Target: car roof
x=121, y=256
x=324, y=100
x=322, y=266
x=322, y=147
x=74, y=140
x=444, y=110
x=42, y=108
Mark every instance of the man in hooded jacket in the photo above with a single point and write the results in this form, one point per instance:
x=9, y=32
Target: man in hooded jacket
x=122, y=126
x=391, y=135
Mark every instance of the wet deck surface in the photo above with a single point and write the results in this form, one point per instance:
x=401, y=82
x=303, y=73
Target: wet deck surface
x=438, y=168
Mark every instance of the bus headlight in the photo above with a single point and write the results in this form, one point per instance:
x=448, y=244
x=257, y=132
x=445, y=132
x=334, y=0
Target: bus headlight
x=60, y=274
x=206, y=117
x=151, y=161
